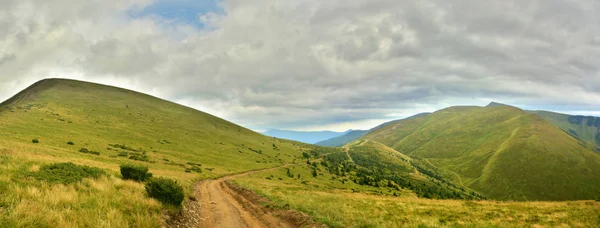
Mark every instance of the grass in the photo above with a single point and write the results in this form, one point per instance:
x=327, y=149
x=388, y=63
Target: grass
x=106, y=201
x=66, y=173
x=336, y=205
x=343, y=139
x=115, y=124
x=187, y=145
x=577, y=127
x=502, y=152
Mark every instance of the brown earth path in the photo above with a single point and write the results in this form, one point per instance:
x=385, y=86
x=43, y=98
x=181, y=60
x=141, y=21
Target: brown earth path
x=219, y=205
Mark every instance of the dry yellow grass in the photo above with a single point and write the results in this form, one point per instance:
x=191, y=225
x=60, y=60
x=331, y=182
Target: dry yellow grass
x=326, y=202
x=104, y=202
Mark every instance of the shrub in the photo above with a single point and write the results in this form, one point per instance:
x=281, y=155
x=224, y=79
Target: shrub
x=86, y=151
x=66, y=173
x=194, y=164
x=165, y=190
x=123, y=154
x=135, y=172
x=124, y=147
x=71, y=143
x=139, y=157
x=196, y=169
x=35, y=141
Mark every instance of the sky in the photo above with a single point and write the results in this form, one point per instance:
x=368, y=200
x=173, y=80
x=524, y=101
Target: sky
x=313, y=64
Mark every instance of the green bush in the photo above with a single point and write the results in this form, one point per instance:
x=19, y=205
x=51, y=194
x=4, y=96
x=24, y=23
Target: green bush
x=71, y=143
x=165, y=190
x=35, y=141
x=123, y=154
x=196, y=169
x=86, y=151
x=139, y=157
x=135, y=172
x=66, y=173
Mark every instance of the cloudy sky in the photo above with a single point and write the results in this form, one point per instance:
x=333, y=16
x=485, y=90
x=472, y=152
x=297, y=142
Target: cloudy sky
x=313, y=64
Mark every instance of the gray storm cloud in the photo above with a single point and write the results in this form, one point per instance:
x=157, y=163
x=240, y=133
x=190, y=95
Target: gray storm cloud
x=308, y=63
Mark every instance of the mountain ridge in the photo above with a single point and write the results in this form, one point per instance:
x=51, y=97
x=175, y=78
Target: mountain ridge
x=484, y=146
x=310, y=137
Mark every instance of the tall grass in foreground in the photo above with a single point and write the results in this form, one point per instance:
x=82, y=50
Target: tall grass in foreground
x=337, y=207
x=106, y=201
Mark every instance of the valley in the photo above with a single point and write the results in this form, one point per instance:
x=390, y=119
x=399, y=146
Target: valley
x=460, y=166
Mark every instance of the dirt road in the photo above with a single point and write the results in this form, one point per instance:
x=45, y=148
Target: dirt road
x=220, y=205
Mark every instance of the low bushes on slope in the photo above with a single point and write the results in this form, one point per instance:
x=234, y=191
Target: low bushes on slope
x=135, y=172
x=165, y=190
x=66, y=173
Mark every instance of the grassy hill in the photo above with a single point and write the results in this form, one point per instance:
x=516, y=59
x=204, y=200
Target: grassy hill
x=343, y=139
x=311, y=137
x=368, y=183
x=379, y=165
x=585, y=128
x=115, y=126
x=500, y=151
x=340, y=189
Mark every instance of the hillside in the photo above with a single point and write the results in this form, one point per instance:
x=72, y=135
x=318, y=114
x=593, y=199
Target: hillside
x=585, y=128
x=367, y=183
x=115, y=126
x=310, y=137
x=379, y=165
x=343, y=139
x=500, y=151
x=371, y=185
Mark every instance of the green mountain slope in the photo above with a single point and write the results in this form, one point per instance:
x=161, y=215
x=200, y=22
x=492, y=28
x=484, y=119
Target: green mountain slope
x=56, y=111
x=121, y=126
x=310, y=137
x=586, y=128
x=343, y=139
x=373, y=164
x=500, y=151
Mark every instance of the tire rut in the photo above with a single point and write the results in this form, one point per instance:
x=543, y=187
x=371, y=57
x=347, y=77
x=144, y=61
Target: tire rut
x=218, y=205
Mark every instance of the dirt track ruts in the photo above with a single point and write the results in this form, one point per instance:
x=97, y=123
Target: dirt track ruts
x=218, y=205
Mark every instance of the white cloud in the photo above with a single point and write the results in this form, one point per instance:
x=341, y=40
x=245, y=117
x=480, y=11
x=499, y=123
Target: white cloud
x=308, y=63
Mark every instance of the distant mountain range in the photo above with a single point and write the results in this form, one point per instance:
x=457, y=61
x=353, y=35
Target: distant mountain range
x=311, y=137
x=583, y=128
x=503, y=152
x=496, y=152
x=343, y=139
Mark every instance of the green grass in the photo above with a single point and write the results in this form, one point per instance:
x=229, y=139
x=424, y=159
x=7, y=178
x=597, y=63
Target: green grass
x=104, y=201
x=343, y=139
x=501, y=152
x=328, y=201
x=66, y=173
x=186, y=145
x=578, y=126
x=120, y=127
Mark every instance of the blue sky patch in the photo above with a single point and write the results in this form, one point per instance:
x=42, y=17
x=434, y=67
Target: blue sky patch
x=180, y=11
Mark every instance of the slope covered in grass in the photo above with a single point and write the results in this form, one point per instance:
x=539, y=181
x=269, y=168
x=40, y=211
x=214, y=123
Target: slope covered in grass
x=311, y=137
x=343, y=139
x=331, y=202
x=499, y=151
x=103, y=126
x=379, y=165
x=585, y=128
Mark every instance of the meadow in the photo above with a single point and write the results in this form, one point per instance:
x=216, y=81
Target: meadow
x=56, y=121
x=350, y=205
